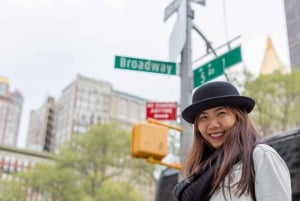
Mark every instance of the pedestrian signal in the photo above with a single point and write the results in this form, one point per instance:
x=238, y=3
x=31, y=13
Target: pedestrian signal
x=149, y=140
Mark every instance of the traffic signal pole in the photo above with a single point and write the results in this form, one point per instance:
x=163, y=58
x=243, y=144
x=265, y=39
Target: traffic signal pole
x=186, y=85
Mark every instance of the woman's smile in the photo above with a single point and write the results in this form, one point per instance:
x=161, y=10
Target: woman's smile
x=216, y=135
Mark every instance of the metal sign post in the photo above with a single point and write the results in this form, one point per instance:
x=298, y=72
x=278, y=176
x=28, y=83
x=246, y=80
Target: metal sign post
x=186, y=86
x=178, y=35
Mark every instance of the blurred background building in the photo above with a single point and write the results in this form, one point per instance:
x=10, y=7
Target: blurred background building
x=40, y=129
x=82, y=103
x=292, y=8
x=11, y=104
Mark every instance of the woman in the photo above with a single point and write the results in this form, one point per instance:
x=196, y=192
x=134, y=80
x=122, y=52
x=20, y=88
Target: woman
x=227, y=160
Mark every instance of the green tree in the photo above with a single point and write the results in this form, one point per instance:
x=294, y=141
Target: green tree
x=53, y=182
x=113, y=191
x=95, y=166
x=277, y=99
x=12, y=189
x=101, y=155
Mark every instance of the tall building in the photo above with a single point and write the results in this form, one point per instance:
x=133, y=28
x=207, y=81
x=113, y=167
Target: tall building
x=292, y=16
x=11, y=104
x=271, y=61
x=40, y=129
x=126, y=109
x=83, y=103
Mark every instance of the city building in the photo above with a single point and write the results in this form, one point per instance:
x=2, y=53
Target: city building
x=13, y=159
x=292, y=16
x=83, y=103
x=87, y=101
x=40, y=129
x=126, y=109
x=11, y=104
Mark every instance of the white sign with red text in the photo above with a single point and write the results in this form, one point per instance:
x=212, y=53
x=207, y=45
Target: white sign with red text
x=161, y=110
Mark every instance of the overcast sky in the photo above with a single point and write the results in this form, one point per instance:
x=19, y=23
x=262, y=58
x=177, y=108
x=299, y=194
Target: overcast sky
x=45, y=43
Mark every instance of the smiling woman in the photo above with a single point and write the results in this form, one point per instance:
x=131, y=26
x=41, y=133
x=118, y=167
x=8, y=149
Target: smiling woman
x=228, y=158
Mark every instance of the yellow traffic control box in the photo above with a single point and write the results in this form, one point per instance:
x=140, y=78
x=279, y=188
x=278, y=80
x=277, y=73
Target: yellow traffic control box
x=149, y=140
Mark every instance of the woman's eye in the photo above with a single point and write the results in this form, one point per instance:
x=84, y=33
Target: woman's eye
x=202, y=117
x=222, y=112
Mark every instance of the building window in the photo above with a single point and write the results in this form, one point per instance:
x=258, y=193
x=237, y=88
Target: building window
x=122, y=109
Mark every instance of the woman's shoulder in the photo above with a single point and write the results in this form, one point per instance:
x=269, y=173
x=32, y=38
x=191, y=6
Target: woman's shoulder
x=271, y=173
x=263, y=149
x=266, y=156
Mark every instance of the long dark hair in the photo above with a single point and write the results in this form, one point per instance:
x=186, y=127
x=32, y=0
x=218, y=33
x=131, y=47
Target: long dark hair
x=238, y=147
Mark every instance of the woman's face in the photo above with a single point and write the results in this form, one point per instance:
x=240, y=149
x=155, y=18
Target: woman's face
x=214, y=124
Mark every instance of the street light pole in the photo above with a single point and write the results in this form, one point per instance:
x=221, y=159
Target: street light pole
x=186, y=84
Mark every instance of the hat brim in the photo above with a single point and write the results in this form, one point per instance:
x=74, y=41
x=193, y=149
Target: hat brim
x=189, y=113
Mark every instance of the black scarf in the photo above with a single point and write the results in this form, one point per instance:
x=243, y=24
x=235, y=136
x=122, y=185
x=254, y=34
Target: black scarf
x=197, y=188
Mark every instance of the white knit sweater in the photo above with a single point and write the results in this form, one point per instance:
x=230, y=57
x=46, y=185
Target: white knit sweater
x=272, y=180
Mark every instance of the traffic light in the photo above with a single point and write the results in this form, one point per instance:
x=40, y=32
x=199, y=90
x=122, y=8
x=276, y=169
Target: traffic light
x=149, y=141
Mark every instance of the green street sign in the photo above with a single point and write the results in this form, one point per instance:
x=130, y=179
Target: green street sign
x=216, y=67
x=145, y=65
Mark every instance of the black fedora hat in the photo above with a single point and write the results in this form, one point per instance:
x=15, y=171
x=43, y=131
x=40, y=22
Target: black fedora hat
x=214, y=94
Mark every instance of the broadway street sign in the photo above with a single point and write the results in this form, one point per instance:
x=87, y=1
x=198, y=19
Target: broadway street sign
x=145, y=65
x=216, y=67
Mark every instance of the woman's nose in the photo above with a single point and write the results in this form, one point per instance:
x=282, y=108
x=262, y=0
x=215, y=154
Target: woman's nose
x=213, y=123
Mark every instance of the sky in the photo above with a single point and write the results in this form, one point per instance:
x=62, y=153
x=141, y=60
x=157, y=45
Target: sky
x=44, y=44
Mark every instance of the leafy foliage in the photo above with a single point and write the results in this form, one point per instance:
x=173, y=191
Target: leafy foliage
x=277, y=99
x=95, y=166
x=12, y=189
